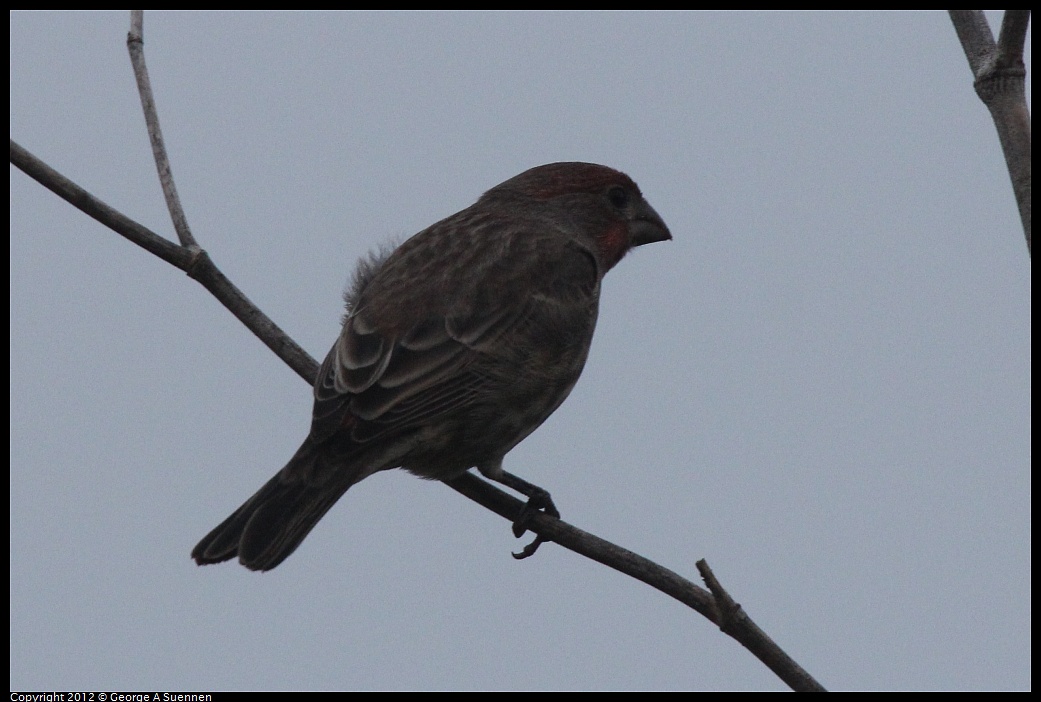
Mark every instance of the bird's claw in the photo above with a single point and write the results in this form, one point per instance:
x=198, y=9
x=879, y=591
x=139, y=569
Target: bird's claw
x=539, y=501
x=530, y=549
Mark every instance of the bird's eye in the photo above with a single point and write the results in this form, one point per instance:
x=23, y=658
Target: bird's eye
x=618, y=196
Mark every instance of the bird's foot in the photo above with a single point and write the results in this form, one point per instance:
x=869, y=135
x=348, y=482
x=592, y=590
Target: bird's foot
x=538, y=501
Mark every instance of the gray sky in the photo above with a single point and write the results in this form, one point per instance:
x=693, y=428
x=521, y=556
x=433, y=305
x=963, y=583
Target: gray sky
x=821, y=385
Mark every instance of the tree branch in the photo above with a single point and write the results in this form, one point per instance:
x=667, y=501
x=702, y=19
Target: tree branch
x=1000, y=78
x=136, y=47
x=189, y=257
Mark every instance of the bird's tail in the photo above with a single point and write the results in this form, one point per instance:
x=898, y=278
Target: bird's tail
x=265, y=530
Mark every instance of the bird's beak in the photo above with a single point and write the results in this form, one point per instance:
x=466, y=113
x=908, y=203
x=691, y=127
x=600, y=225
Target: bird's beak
x=647, y=226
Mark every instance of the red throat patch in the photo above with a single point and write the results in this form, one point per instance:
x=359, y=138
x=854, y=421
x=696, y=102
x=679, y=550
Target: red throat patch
x=614, y=243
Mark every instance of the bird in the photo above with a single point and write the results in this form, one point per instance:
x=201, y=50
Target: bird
x=455, y=346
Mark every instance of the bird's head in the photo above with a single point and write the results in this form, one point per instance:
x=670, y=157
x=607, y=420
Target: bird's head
x=598, y=202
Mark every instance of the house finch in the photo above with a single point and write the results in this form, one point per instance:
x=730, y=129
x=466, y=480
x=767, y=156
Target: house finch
x=455, y=347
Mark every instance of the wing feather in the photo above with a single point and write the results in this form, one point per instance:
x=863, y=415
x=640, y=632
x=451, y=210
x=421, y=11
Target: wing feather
x=399, y=372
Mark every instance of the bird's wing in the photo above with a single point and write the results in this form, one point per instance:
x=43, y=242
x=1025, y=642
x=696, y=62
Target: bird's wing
x=374, y=381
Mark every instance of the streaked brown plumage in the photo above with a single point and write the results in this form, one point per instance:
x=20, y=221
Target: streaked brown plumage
x=455, y=347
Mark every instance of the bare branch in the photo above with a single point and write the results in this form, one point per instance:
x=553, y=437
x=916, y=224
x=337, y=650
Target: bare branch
x=716, y=606
x=192, y=260
x=1013, y=36
x=1000, y=77
x=199, y=266
x=110, y=217
x=974, y=35
x=734, y=622
x=135, y=45
x=189, y=257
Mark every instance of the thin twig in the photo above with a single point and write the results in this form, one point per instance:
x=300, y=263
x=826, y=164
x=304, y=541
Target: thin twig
x=92, y=206
x=735, y=622
x=192, y=260
x=136, y=47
